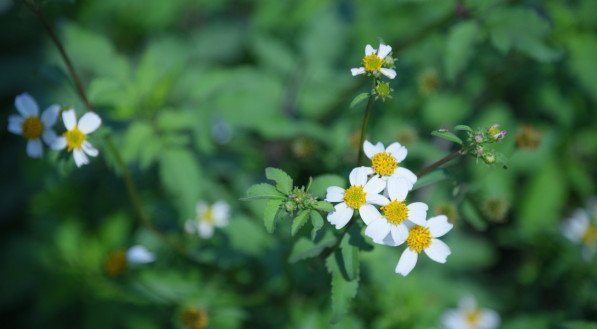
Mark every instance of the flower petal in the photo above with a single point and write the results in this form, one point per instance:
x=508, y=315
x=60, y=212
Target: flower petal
x=357, y=71
x=369, y=50
x=407, y=262
x=89, y=149
x=341, y=216
x=59, y=143
x=406, y=174
x=378, y=230
x=488, y=319
x=390, y=73
x=26, y=105
x=15, y=124
x=399, y=233
x=334, y=194
x=369, y=149
x=70, y=119
x=205, y=230
x=35, y=148
x=221, y=212
x=369, y=213
x=417, y=213
x=139, y=255
x=439, y=226
x=377, y=199
x=89, y=122
x=50, y=115
x=358, y=176
x=398, y=188
x=375, y=185
x=384, y=50
x=398, y=151
x=438, y=251
x=80, y=157
x=49, y=137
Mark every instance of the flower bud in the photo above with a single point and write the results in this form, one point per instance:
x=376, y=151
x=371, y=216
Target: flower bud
x=495, y=133
x=489, y=158
x=382, y=90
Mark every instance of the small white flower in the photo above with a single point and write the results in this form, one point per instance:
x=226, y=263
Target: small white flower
x=385, y=162
x=75, y=137
x=373, y=62
x=360, y=195
x=29, y=125
x=391, y=229
x=423, y=238
x=138, y=254
x=469, y=316
x=208, y=217
x=579, y=229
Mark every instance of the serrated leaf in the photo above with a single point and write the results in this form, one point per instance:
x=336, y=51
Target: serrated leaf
x=463, y=128
x=305, y=248
x=263, y=191
x=317, y=222
x=343, y=291
x=358, y=98
x=321, y=183
x=324, y=206
x=299, y=221
x=283, y=181
x=431, y=178
x=269, y=215
x=447, y=136
x=350, y=259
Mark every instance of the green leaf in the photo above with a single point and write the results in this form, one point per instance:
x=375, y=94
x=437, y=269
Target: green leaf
x=447, y=136
x=305, y=248
x=283, y=181
x=463, y=128
x=321, y=183
x=317, y=222
x=324, y=206
x=582, y=49
x=433, y=177
x=181, y=176
x=343, y=291
x=299, y=221
x=358, y=98
x=269, y=215
x=263, y=191
x=350, y=259
x=460, y=44
x=472, y=216
x=579, y=325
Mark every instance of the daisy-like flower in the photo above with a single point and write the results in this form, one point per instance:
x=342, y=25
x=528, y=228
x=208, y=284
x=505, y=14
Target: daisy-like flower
x=579, y=229
x=33, y=127
x=390, y=228
x=138, y=254
x=118, y=260
x=208, y=218
x=469, y=316
x=359, y=196
x=424, y=238
x=374, y=61
x=74, y=138
x=385, y=162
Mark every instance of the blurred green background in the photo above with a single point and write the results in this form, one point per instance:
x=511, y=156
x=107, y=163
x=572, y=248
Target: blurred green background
x=200, y=96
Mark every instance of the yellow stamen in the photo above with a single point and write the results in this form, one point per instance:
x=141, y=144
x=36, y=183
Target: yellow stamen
x=372, y=63
x=395, y=212
x=208, y=215
x=194, y=318
x=32, y=128
x=419, y=238
x=384, y=163
x=589, y=235
x=472, y=317
x=355, y=197
x=74, y=139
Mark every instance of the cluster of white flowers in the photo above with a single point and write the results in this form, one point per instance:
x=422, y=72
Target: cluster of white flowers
x=208, y=217
x=581, y=228
x=469, y=316
x=35, y=129
x=386, y=184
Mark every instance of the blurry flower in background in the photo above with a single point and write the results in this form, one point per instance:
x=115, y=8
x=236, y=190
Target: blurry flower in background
x=31, y=126
x=424, y=238
x=385, y=162
x=580, y=229
x=469, y=316
x=374, y=60
x=407, y=136
x=138, y=254
x=448, y=209
x=495, y=133
x=208, y=218
x=528, y=137
x=496, y=209
x=194, y=318
x=75, y=137
x=118, y=260
x=428, y=81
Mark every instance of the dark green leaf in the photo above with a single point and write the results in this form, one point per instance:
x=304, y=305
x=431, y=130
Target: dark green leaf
x=447, y=136
x=263, y=191
x=324, y=206
x=317, y=222
x=350, y=259
x=463, y=128
x=283, y=181
x=305, y=248
x=343, y=291
x=269, y=215
x=460, y=47
x=299, y=221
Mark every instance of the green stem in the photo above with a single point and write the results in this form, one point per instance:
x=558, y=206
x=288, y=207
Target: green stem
x=440, y=162
x=364, y=126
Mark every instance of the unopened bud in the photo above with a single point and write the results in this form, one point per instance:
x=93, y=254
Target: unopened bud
x=489, y=158
x=495, y=133
x=382, y=90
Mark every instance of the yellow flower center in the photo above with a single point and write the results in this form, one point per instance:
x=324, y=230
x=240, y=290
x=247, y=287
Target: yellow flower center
x=589, y=235
x=194, y=318
x=74, y=139
x=384, y=164
x=32, y=128
x=372, y=63
x=355, y=197
x=208, y=215
x=116, y=263
x=419, y=238
x=472, y=317
x=395, y=212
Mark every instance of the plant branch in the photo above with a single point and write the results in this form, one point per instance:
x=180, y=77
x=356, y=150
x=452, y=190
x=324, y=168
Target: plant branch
x=364, y=127
x=440, y=162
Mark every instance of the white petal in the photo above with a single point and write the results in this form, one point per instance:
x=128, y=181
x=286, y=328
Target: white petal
x=377, y=199
x=398, y=188
x=438, y=251
x=89, y=122
x=357, y=71
x=26, y=105
x=341, y=216
x=80, y=157
x=334, y=194
x=488, y=319
x=389, y=241
x=49, y=137
x=59, y=143
x=369, y=50
x=384, y=50
x=369, y=149
x=406, y=174
x=407, y=261
x=35, y=148
x=50, y=115
x=375, y=185
x=378, y=229
x=439, y=226
x=221, y=212
x=398, y=151
x=369, y=213
x=139, y=255
x=390, y=73
x=205, y=230
x=453, y=319
x=357, y=176
x=89, y=149
x=15, y=124
x=399, y=233
x=417, y=213
x=70, y=119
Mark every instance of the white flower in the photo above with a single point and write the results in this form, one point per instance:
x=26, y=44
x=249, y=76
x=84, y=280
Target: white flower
x=75, y=137
x=360, y=195
x=391, y=228
x=579, y=229
x=373, y=62
x=423, y=238
x=208, y=217
x=31, y=126
x=385, y=162
x=139, y=255
x=469, y=316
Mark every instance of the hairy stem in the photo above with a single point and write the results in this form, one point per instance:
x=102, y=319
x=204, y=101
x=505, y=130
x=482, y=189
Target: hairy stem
x=440, y=162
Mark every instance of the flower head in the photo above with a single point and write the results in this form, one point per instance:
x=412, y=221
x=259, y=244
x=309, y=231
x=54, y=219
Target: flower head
x=469, y=316
x=118, y=260
x=424, y=238
x=375, y=62
x=138, y=254
x=194, y=318
x=359, y=196
x=495, y=133
x=74, y=138
x=385, y=162
x=579, y=229
x=31, y=126
x=208, y=217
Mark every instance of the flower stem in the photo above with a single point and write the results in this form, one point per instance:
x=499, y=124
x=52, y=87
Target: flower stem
x=364, y=126
x=440, y=162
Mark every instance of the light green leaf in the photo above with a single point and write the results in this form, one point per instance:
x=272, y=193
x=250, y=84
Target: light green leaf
x=317, y=222
x=358, y=98
x=447, y=136
x=324, y=206
x=299, y=221
x=269, y=215
x=283, y=181
x=350, y=259
x=433, y=177
x=460, y=46
x=263, y=191
x=321, y=183
x=305, y=248
x=463, y=128
x=343, y=291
